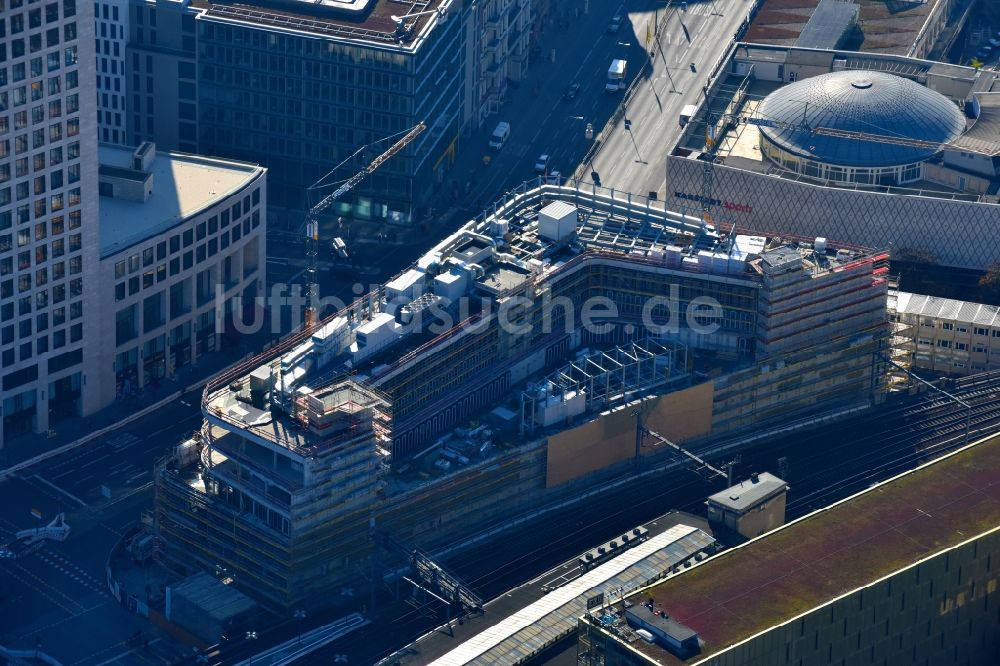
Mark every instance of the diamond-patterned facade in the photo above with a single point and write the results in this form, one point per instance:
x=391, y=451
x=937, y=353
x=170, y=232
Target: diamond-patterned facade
x=957, y=233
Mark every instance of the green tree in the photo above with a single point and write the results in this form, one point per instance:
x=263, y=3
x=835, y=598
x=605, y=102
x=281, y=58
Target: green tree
x=989, y=284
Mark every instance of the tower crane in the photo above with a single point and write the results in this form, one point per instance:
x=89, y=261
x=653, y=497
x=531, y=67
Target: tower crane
x=312, y=218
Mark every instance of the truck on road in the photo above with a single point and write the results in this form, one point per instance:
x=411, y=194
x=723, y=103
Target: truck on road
x=687, y=113
x=616, y=75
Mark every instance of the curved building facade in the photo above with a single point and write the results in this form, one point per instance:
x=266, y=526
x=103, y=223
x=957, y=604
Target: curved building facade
x=857, y=127
x=181, y=235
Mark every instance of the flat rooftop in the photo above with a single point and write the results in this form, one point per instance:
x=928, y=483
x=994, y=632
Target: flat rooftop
x=833, y=551
x=748, y=493
x=887, y=26
x=672, y=538
x=183, y=185
x=353, y=20
x=947, y=308
x=981, y=137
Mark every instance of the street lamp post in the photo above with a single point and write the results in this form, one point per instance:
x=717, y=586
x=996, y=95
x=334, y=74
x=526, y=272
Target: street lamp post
x=299, y=615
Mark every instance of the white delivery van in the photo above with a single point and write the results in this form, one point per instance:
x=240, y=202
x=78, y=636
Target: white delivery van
x=500, y=135
x=616, y=75
x=687, y=113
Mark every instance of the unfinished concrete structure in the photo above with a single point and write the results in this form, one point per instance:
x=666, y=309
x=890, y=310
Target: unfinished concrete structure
x=635, y=304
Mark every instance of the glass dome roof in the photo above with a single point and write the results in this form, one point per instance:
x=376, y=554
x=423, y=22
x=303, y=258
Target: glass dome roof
x=860, y=101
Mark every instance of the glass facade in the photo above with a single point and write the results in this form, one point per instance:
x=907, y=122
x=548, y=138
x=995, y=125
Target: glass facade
x=302, y=105
x=841, y=175
x=46, y=156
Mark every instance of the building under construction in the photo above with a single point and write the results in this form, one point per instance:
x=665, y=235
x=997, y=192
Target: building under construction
x=501, y=371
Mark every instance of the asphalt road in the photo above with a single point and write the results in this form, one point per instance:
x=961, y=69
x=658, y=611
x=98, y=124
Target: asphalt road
x=632, y=156
x=59, y=593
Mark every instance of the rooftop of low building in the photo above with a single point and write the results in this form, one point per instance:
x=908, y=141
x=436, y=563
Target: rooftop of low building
x=947, y=309
x=182, y=186
x=749, y=492
x=828, y=553
x=884, y=26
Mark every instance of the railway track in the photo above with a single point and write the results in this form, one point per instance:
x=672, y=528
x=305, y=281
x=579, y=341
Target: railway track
x=828, y=464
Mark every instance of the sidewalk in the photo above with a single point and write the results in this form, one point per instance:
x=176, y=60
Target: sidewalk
x=79, y=429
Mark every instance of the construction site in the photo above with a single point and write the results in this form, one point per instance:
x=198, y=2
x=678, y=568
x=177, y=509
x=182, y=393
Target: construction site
x=510, y=366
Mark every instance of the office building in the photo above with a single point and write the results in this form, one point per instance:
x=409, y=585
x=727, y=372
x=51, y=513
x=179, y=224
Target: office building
x=501, y=369
x=111, y=32
x=49, y=245
x=904, y=572
x=302, y=88
x=181, y=235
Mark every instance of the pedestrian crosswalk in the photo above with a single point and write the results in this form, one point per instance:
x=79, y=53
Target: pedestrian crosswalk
x=121, y=440
x=71, y=570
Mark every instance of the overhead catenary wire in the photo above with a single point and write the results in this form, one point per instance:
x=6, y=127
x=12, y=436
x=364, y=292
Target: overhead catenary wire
x=871, y=442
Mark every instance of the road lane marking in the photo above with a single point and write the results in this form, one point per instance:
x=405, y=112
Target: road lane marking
x=135, y=476
x=60, y=490
x=34, y=631
x=48, y=595
x=73, y=571
x=116, y=657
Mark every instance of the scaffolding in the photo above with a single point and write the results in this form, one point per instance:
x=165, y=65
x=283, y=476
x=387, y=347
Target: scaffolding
x=599, y=380
x=275, y=521
x=902, y=342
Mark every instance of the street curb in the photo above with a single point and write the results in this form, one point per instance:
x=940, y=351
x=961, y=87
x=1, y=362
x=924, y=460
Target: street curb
x=14, y=469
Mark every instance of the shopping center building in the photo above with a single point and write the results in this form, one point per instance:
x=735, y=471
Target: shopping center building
x=880, y=150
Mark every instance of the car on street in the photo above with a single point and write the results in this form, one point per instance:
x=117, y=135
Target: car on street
x=554, y=178
x=571, y=91
x=542, y=164
x=616, y=24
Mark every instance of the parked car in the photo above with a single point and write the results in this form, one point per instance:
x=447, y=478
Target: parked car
x=616, y=24
x=571, y=91
x=542, y=164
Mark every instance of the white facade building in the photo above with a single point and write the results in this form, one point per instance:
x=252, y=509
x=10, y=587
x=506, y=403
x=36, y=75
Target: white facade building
x=949, y=336
x=178, y=232
x=498, y=52
x=48, y=214
x=111, y=31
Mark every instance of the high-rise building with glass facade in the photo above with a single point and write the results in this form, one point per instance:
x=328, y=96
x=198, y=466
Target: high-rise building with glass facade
x=48, y=213
x=111, y=31
x=300, y=87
